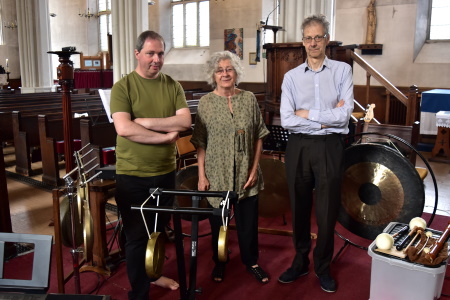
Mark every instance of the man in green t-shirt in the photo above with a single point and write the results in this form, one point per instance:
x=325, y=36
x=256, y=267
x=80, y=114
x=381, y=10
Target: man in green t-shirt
x=149, y=110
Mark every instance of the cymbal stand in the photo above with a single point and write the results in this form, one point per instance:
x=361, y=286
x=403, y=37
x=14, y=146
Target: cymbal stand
x=71, y=194
x=75, y=251
x=185, y=293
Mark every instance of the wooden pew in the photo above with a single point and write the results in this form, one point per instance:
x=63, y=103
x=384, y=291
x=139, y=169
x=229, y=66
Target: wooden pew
x=82, y=104
x=50, y=132
x=25, y=128
x=99, y=136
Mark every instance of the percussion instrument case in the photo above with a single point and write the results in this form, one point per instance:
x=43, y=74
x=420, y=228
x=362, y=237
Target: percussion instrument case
x=396, y=278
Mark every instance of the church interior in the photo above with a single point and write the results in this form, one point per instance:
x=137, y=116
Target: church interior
x=59, y=58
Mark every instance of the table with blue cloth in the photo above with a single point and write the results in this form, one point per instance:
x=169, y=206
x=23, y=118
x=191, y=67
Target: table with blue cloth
x=432, y=102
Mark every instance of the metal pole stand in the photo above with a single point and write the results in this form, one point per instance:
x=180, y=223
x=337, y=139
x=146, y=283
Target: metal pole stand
x=185, y=293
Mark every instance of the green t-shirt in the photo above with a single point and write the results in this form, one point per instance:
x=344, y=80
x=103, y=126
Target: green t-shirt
x=146, y=98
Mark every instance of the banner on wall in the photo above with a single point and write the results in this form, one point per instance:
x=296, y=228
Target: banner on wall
x=234, y=41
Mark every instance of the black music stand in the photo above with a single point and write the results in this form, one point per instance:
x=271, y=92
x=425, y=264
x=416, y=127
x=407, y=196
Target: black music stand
x=276, y=141
x=186, y=293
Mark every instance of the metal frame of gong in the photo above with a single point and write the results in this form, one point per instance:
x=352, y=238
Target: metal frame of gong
x=347, y=242
x=185, y=292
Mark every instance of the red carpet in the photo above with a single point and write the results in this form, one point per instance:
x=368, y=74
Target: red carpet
x=351, y=270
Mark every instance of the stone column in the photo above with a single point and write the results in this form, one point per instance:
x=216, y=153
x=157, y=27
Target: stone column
x=33, y=28
x=293, y=12
x=129, y=19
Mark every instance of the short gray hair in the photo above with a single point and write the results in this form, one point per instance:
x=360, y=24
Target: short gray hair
x=213, y=62
x=316, y=19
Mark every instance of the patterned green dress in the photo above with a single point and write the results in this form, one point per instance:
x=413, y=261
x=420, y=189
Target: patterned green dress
x=229, y=141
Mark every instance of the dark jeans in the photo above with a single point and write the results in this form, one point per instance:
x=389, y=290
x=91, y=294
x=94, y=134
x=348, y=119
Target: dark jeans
x=132, y=190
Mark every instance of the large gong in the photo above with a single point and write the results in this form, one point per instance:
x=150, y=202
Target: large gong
x=379, y=186
x=274, y=199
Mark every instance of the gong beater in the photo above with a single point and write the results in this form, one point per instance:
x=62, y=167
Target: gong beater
x=379, y=186
x=186, y=293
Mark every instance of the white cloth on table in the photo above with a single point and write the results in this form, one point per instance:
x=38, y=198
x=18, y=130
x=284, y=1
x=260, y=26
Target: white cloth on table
x=443, y=119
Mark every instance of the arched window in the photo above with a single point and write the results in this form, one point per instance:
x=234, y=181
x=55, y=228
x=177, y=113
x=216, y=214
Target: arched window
x=105, y=23
x=190, y=23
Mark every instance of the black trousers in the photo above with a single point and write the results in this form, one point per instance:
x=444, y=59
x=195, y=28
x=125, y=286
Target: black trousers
x=132, y=190
x=314, y=163
x=246, y=218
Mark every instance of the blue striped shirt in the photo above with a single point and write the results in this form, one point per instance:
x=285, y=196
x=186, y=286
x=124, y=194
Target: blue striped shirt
x=319, y=92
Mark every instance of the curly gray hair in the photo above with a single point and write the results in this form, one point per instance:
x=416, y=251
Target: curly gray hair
x=316, y=19
x=213, y=63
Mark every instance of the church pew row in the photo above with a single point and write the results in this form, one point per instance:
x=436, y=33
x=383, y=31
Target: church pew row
x=96, y=137
x=81, y=105
x=35, y=99
x=25, y=131
x=51, y=133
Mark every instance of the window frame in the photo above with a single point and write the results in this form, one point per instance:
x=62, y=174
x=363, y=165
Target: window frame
x=429, y=39
x=183, y=3
x=106, y=13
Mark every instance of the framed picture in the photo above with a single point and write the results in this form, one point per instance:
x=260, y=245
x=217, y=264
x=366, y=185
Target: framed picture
x=252, y=58
x=91, y=62
x=234, y=41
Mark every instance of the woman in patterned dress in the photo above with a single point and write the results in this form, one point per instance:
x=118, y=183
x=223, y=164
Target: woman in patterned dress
x=228, y=136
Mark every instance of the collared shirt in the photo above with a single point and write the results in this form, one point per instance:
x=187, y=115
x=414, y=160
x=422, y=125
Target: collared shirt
x=319, y=92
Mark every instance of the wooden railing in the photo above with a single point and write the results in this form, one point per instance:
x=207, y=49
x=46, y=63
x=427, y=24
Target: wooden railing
x=411, y=101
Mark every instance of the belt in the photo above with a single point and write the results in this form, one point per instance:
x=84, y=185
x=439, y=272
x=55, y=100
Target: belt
x=316, y=136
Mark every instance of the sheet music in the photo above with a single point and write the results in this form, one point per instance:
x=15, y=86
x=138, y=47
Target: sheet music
x=105, y=95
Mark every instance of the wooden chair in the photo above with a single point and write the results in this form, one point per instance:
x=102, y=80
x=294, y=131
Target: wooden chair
x=185, y=151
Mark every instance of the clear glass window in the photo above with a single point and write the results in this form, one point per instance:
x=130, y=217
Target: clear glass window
x=190, y=23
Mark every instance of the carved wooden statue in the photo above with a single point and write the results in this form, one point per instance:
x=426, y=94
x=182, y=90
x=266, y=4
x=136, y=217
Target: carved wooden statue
x=371, y=22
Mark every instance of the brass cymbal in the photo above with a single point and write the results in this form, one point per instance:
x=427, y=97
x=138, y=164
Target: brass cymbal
x=154, y=255
x=66, y=224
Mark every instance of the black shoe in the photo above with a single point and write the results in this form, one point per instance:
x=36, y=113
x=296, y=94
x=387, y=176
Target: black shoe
x=291, y=274
x=327, y=283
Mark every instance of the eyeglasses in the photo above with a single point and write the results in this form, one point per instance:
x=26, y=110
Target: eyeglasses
x=317, y=38
x=220, y=71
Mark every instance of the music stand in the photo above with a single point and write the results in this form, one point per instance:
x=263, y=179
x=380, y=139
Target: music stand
x=276, y=140
x=186, y=293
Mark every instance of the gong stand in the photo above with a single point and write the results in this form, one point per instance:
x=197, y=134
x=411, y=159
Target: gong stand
x=347, y=242
x=185, y=292
x=71, y=194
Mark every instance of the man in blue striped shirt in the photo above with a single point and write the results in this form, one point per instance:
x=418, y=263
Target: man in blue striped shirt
x=316, y=105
